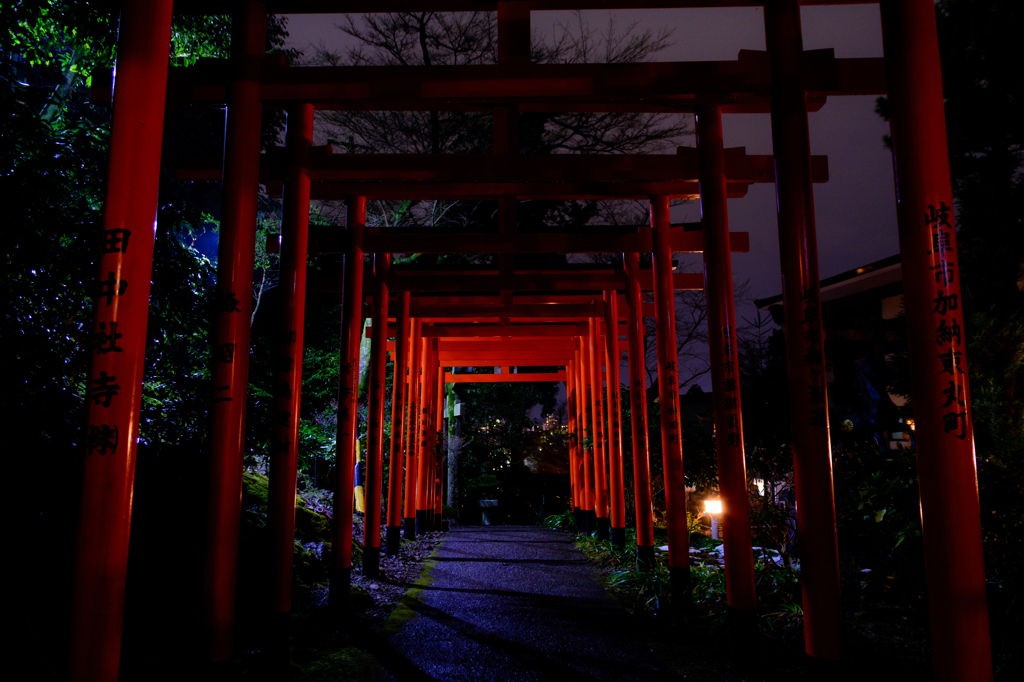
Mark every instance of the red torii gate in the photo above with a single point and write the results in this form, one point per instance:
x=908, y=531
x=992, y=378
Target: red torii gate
x=787, y=81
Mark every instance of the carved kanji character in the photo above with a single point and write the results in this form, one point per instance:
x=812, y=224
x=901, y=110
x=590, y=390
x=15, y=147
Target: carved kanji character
x=104, y=390
x=102, y=438
x=116, y=240
x=111, y=287
x=105, y=342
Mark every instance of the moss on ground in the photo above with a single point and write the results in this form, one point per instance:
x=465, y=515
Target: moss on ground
x=255, y=489
x=405, y=610
x=336, y=663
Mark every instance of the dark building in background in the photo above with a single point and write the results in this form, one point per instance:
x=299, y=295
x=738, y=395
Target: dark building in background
x=865, y=335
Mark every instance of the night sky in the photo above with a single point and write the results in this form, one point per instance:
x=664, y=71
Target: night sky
x=855, y=210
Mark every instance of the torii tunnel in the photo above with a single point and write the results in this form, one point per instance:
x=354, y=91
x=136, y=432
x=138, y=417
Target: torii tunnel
x=573, y=319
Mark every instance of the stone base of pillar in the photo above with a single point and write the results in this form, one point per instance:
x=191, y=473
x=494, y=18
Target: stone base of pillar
x=421, y=521
x=603, y=527
x=590, y=521
x=577, y=518
x=742, y=626
x=394, y=540
x=645, y=557
x=410, y=529
x=338, y=589
x=371, y=562
x=680, y=584
x=279, y=636
x=619, y=538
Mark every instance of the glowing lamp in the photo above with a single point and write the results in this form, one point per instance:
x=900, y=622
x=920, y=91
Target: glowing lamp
x=713, y=508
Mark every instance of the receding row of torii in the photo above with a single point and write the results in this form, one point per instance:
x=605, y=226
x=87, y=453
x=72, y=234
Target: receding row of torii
x=560, y=313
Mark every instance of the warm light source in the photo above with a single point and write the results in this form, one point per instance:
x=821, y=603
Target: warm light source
x=759, y=483
x=713, y=508
x=910, y=423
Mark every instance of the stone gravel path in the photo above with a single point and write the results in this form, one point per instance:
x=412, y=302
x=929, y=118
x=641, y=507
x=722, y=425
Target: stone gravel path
x=519, y=603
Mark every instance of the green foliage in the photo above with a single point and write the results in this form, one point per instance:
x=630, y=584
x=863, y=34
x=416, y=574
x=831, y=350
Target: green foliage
x=195, y=37
x=496, y=442
x=644, y=589
x=647, y=590
x=565, y=521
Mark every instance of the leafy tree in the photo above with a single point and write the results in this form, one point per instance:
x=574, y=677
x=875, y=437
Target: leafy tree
x=54, y=155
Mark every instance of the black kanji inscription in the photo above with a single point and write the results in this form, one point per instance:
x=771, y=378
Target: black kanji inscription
x=227, y=303
x=944, y=272
x=944, y=303
x=116, y=240
x=102, y=438
x=111, y=287
x=938, y=217
x=954, y=394
x=954, y=421
x=950, y=361
x=947, y=333
x=818, y=417
x=941, y=242
x=105, y=342
x=225, y=353
x=104, y=390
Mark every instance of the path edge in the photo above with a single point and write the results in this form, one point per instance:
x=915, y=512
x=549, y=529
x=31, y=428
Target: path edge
x=404, y=611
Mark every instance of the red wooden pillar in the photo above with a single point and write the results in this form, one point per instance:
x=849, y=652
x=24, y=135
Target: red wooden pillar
x=587, y=410
x=428, y=442
x=668, y=399
x=284, y=455
x=805, y=346
x=578, y=440
x=399, y=396
x=422, y=465
x=581, y=435
x=412, y=430
x=570, y=409
x=597, y=410
x=600, y=432
x=725, y=383
x=438, y=452
x=616, y=487
x=231, y=326
x=375, y=428
x=348, y=398
x=638, y=413
x=114, y=383
x=431, y=434
x=954, y=562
